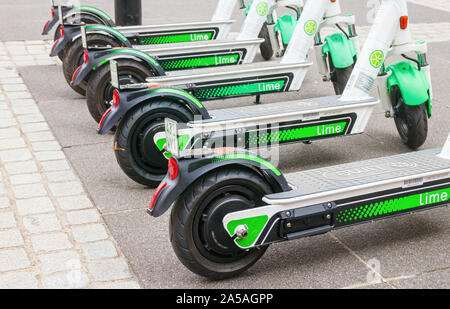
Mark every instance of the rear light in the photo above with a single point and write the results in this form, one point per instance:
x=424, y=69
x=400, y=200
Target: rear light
x=155, y=196
x=173, y=168
x=116, y=98
x=103, y=118
x=85, y=56
x=404, y=22
x=76, y=72
x=61, y=31
x=53, y=12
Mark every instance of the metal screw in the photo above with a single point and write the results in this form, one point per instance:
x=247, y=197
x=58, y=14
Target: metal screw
x=329, y=205
x=241, y=231
x=288, y=225
x=288, y=213
x=328, y=217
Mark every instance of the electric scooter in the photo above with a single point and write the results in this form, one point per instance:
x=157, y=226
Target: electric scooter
x=69, y=42
x=179, y=95
x=136, y=65
x=104, y=27
x=229, y=204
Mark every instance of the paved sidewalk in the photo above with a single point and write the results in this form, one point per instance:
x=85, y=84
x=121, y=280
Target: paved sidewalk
x=443, y=5
x=51, y=235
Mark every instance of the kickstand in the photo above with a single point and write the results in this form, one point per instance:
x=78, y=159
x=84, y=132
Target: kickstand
x=258, y=99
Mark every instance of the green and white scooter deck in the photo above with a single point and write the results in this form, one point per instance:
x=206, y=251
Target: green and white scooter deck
x=337, y=196
x=229, y=81
x=277, y=123
x=225, y=52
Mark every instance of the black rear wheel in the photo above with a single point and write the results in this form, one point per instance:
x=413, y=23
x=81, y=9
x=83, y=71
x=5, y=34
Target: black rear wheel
x=99, y=91
x=196, y=231
x=266, y=47
x=76, y=19
x=73, y=58
x=339, y=77
x=411, y=121
x=137, y=154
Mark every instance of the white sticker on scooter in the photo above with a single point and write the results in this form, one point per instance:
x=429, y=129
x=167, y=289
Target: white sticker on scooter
x=413, y=182
x=364, y=82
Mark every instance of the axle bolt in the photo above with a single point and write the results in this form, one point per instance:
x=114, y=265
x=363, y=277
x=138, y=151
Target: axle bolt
x=329, y=205
x=241, y=231
x=288, y=213
x=328, y=217
x=288, y=225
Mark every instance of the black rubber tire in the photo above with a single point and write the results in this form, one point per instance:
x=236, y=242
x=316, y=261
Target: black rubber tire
x=339, y=77
x=266, y=47
x=87, y=19
x=411, y=121
x=185, y=228
x=73, y=57
x=100, y=83
x=147, y=168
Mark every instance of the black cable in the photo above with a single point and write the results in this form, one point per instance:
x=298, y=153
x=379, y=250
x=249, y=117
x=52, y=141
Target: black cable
x=343, y=31
x=413, y=60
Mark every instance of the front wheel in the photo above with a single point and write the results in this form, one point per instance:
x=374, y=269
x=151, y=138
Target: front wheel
x=136, y=152
x=265, y=47
x=411, y=121
x=99, y=91
x=196, y=231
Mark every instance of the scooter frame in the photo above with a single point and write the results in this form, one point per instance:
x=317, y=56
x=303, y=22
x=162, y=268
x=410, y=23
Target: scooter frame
x=216, y=29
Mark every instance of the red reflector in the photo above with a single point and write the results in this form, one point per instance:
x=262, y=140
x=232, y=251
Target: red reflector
x=53, y=12
x=76, y=72
x=116, y=98
x=85, y=56
x=45, y=26
x=155, y=196
x=103, y=118
x=54, y=44
x=404, y=22
x=61, y=31
x=173, y=168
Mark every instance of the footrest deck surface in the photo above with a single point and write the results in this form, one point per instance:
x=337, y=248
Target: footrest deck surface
x=355, y=174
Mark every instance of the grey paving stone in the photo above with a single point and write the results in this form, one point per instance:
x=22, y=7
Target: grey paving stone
x=21, y=167
x=60, y=176
x=25, y=179
x=60, y=261
x=70, y=280
x=34, y=206
x=74, y=202
x=11, y=238
x=66, y=189
x=87, y=233
x=41, y=223
x=50, y=242
x=7, y=220
x=58, y=165
x=13, y=259
x=108, y=270
x=19, y=280
x=4, y=202
x=99, y=250
x=82, y=216
x=29, y=191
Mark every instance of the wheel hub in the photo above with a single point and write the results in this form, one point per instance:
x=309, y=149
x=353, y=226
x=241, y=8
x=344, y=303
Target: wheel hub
x=148, y=148
x=213, y=233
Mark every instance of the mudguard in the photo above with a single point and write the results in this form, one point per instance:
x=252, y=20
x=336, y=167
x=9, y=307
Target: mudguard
x=100, y=57
x=73, y=32
x=286, y=25
x=55, y=18
x=88, y=10
x=189, y=170
x=341, y=49
x=413, y=84
x=129, y=99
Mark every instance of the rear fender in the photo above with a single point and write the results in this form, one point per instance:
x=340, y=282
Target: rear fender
x=341, y=49
x=100, y=57
x=55, y=19
x=413, y=84
x=73, y=32
x=88, y=10
x=191, y=170
x=131, y=98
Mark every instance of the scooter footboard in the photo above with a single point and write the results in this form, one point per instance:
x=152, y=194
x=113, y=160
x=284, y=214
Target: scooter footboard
x=344, y=195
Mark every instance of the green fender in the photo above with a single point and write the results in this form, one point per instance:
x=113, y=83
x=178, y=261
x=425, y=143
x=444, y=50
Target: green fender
x=94, y=11
x=341, y=49
x=286, y=25
x=110, y=31
x=413, y=84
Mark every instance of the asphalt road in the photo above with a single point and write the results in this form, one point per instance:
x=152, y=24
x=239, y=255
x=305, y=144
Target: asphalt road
x=413, y=250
